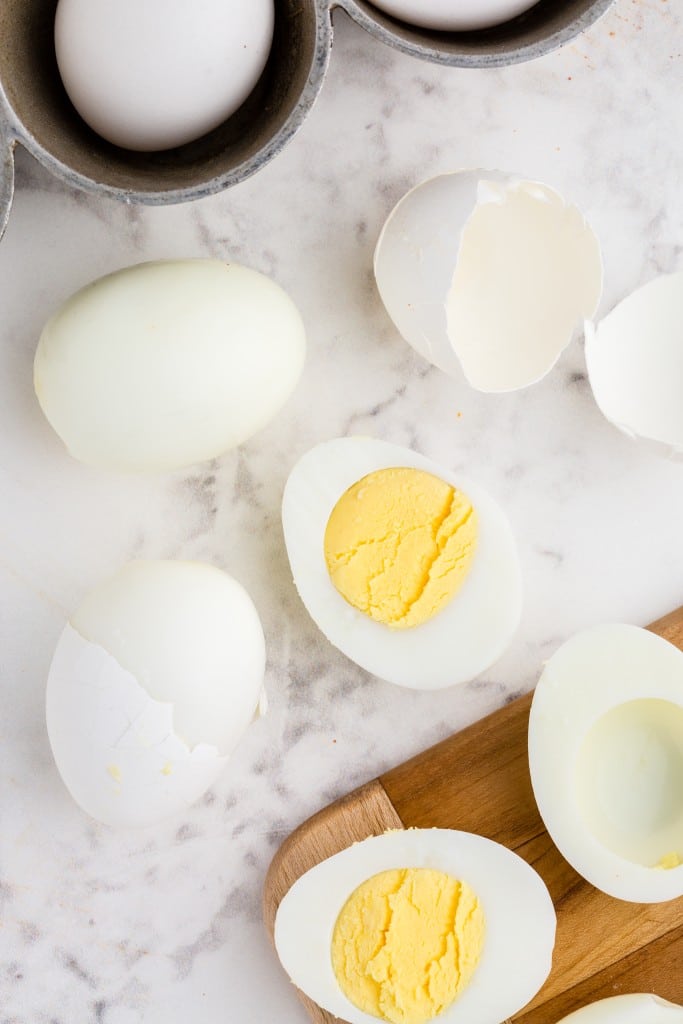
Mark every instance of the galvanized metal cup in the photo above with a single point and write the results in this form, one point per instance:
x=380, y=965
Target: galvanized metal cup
x=36, y=112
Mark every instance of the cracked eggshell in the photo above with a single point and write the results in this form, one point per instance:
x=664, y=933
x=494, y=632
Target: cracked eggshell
x=488, y=274
x=635, y=364
x=153, y=683
x=638, y=1008
x=166, y=364
x=519, y=920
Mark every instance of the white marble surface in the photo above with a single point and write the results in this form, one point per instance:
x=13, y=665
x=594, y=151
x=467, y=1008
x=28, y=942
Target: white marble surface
x=103, y=927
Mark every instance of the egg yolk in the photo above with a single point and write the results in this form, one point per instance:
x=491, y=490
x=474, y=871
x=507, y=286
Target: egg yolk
x=399, y=545
x=406, y=943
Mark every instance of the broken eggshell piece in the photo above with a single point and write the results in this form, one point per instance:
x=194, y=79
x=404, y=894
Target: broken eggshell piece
x=153, y=683
x=488, y=274
x=635, y=364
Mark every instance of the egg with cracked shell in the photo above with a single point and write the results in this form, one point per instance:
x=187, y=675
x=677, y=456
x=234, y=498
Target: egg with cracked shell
x=417, y=925
x=408, y=568
x=154, y=681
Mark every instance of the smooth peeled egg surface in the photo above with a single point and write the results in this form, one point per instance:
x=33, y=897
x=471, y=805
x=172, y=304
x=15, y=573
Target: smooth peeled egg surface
x=606, y=760
x=488, y=274
x=159, y=74
x=506, y=948
x=454, y=15
x=165, y=364
x=634, y=357
x=467, y=631
x=636, y=1008
x=154, y=681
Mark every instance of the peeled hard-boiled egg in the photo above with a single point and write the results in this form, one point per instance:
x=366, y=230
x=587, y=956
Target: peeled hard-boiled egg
x=154, y=681
x=162, y=365
x=153, y=75
x=606, y=760
x=408, y=569
x=415, y=925
x=635, y=364
x=488, y=274
x=638, y=1008
x=454, y=15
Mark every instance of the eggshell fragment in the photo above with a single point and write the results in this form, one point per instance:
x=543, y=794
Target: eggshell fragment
x=635, y=364
x=488, y=274
x=165, y=364
x=152, y=685
x=638, y=1008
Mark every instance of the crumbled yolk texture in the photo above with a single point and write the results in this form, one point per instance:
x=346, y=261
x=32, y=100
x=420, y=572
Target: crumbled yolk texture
x=669, y=861
x=399, y=544
x=406, y=943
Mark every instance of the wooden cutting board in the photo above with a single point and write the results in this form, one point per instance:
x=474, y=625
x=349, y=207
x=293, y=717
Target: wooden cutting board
x=478, y=781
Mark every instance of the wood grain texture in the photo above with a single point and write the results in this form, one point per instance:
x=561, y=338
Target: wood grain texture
x=478, y=780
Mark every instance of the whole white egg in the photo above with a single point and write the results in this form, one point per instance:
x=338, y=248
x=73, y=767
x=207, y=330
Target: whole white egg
x=161, y=365
x=519, y=920
x=158, y=74
x=606, y=760
x=636, y=1008
x=488, y=274
x=154, y=681
x=454, y=15
x=465, y=637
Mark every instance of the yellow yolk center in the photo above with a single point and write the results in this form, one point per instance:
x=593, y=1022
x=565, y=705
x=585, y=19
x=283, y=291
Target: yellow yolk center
x=669, y=861
x=406, y=943
x=399, y=544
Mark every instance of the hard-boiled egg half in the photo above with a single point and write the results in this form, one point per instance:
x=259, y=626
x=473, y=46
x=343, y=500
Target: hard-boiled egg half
x=606, y=759
x=411, y=926
x=637, y=1008
x=165, y=364
x=635, y=364
x=488, y=274
x=154, y=681
x=406, y=567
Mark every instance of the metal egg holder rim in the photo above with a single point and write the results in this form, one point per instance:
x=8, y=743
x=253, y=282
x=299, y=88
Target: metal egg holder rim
x=13, y=131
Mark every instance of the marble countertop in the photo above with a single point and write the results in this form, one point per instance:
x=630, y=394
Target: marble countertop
x=162, y=925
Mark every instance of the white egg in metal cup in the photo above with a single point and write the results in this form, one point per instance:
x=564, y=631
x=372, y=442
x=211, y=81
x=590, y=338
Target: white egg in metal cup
x=454, y=15
x=154, y=681
x=514, y=950
x=636, y=1008
x=635, y=364
x=488, y=274
x=606, y=760
x=165, y=364
x=469, y=630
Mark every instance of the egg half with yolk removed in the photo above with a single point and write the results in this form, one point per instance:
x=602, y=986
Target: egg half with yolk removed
x=606, y=760
x=418, y=924
x=635, y=1008
x=408, y=569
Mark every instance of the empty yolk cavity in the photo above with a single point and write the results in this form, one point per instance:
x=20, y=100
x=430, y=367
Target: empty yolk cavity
x=406, y=943
x=399, y=544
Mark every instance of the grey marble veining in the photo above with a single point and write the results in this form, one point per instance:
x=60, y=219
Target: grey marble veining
x=162, y=925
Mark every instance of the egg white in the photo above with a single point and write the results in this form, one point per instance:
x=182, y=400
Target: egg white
x=636, y=1008
x=593, y=673
x=457, y=644
x=519, y=920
